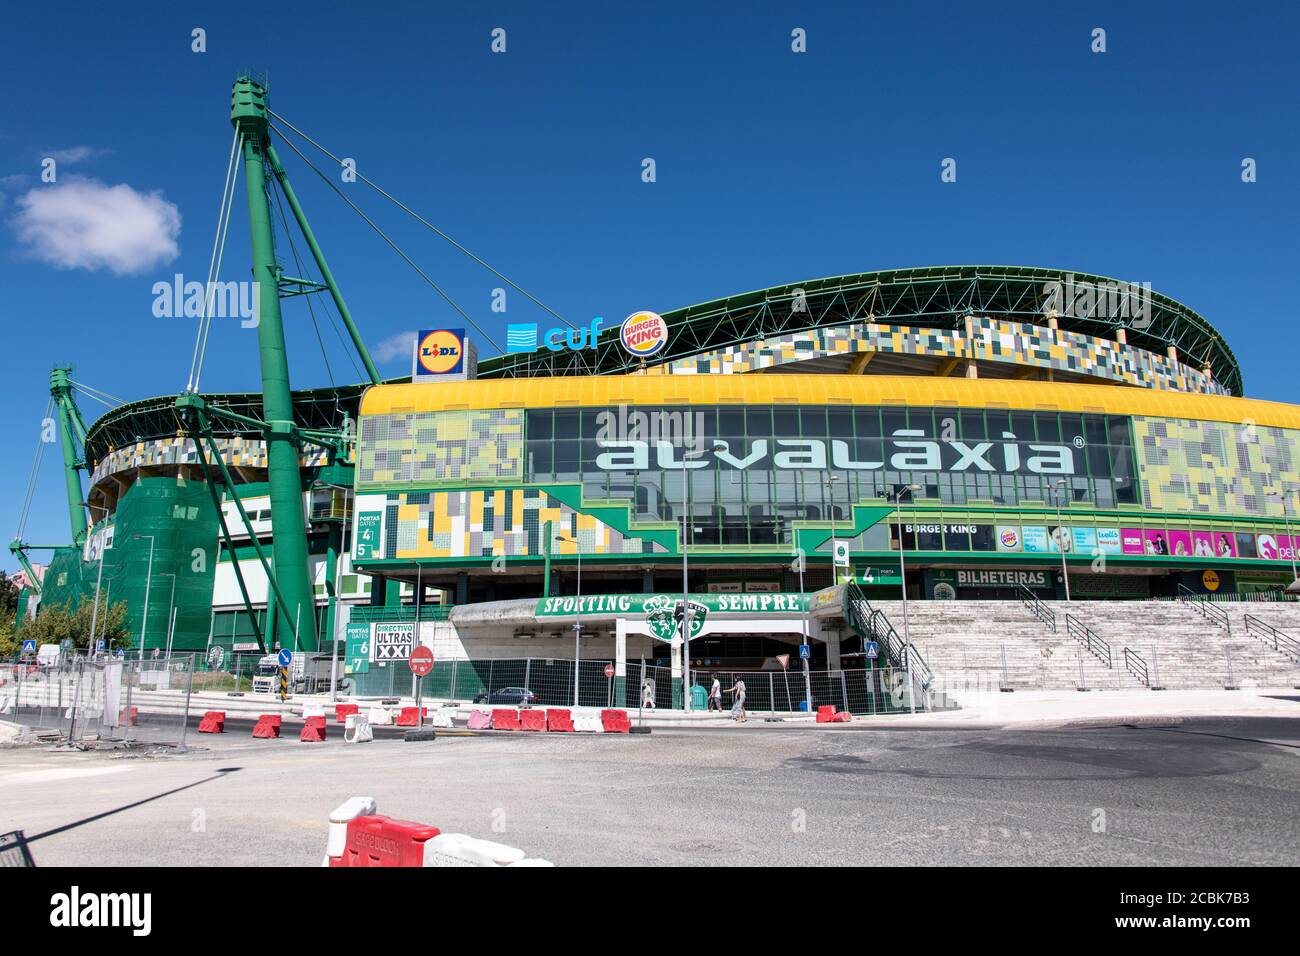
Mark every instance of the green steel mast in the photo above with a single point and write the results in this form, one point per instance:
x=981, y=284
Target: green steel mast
x=297, y=614
x=72, y=430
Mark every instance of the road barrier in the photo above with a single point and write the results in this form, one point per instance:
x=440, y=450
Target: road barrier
x=532, y=720
x=410, y=716
x=588, y=722
x=505, y=718
x=558, y=720
x=341, y=711
x=356, y=729
x=267, y=726
x=615, y=722
x=359, y=836
x=479, y=719
x=213, y=722
x=313, y=730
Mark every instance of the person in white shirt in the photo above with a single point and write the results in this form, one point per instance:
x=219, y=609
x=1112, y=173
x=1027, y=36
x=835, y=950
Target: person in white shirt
x=715, y=695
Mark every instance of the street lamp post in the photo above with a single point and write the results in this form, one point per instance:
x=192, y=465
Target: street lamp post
x=687, y=522
x=1060, y=483
x=830, y=494
x=902, y=573
x=577, y=624
x=148, y=580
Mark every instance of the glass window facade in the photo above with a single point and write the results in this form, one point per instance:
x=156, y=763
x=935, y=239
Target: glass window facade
x=751, y=471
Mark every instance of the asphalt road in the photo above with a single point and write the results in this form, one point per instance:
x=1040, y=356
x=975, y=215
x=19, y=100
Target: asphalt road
x=1207, y=792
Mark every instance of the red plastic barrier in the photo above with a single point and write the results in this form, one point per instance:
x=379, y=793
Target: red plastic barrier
x=826, y=714
x=313, y=730
x=505, y=719
x=615, y=722
x=268, y=726
x=132, y=717
x=382, y=841
x=532, y=720
x=409, y=717
x=843, y=717
x=213, y=722
x=341, y=712
x=559, y=721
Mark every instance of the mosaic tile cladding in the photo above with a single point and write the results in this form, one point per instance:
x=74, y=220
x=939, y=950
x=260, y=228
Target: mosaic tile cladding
x=236, y=452
x=991, y=340
x=1215, y=467
x=482, y=524
x=420, y=447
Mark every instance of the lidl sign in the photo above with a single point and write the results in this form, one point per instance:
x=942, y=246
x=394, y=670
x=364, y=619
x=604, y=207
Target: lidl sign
x=443, y=354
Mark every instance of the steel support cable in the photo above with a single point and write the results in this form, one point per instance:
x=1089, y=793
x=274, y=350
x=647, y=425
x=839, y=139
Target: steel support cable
x=93, y=392
x=212, y=260
x=36, y=468
x=293, y=249
x=219, y=251
x=108, y=401
x=371, y=223
x=415, y=215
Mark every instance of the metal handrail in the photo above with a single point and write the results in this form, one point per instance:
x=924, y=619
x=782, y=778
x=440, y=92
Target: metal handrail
x=1088, y=638
x=1136, y=666
x=875, y=625
x=1281, y=641
x=1037, y=607
x=1211, y=612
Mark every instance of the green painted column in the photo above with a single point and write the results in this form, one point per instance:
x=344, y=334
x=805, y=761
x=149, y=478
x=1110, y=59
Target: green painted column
x=61, y=390
x=288, y=525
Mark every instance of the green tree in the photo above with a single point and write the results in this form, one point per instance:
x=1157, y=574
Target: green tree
x=53, y=625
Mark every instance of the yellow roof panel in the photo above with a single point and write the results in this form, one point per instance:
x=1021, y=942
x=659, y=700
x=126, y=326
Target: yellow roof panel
x=603, y=391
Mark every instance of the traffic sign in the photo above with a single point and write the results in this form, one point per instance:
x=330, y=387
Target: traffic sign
x=805, y=652
x=99, y=644
x=609, y=670
x=421, y=661
x=872, y=649
x=784, y=661
x=285, y=657
x=29, y=646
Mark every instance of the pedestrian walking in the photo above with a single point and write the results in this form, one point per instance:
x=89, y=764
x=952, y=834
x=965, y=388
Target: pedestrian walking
x=715, y=695
x=738, y=705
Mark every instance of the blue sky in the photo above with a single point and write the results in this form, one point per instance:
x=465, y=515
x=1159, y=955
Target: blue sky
x=771, y=166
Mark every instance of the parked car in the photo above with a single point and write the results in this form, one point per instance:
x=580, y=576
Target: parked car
x=515, y=696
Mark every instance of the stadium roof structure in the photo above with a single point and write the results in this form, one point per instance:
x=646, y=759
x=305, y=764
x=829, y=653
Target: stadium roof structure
x=936, y=297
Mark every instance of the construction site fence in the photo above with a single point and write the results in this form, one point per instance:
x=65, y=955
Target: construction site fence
x=83, y=699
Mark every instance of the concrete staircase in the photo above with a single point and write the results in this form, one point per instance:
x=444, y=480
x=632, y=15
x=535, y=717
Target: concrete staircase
x=966, y=642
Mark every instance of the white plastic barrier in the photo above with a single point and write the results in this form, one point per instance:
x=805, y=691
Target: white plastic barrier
x=441, y=717
x=337, y=840
x=587, y=722
x=379, y=715
x=312, y=710
x=356, y=729
x=459, y=849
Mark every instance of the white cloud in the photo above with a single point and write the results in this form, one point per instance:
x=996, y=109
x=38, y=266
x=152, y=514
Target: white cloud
x=73, y=154
x=84, y=224
x=394, y=347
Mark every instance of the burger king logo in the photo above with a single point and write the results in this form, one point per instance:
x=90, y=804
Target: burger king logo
x=644, y=334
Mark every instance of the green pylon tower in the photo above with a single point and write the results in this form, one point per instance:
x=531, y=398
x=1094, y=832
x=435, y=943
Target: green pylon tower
x=72, y=429
x=248, y=113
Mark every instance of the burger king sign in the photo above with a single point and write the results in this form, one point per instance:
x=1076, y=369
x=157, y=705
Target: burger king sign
x=644, y=334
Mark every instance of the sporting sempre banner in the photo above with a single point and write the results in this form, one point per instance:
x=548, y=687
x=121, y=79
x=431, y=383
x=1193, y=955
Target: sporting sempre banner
x=638, y=605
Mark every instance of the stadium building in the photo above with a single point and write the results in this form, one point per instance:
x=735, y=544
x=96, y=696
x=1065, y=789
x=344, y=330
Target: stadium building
x=952, y=433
